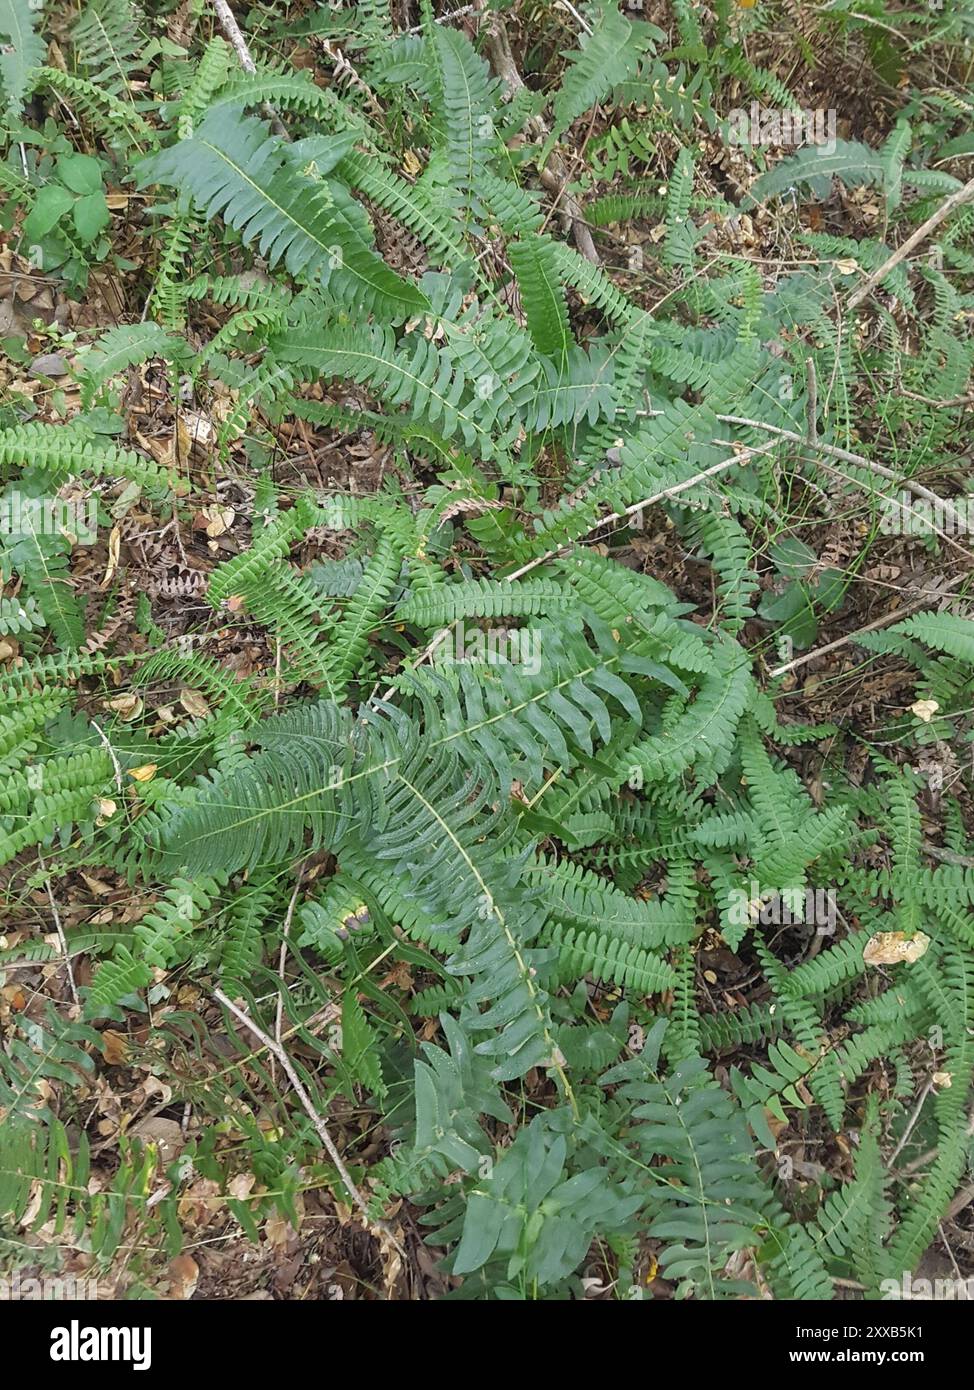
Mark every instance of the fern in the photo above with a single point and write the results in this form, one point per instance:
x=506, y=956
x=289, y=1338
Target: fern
x=309, y=223
x=459, y=755
x=23, y=51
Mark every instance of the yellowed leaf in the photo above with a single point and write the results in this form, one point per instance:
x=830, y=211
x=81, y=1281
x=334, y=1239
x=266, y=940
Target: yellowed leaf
x=894, y=948
x=114, y=543
x=145, y=773
x=184, y=1273
x=925, y=710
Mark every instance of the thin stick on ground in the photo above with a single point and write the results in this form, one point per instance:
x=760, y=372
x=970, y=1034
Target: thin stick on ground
x=234, y=36
x=282, y=959
x=236, y=40
x=877, y=623
x=911, y=1123
x=277, y=1049
x=955, y=200
x=59, y=928
x=811, y=426
x=966, y=399
x=554, y=176
x=833, y=451
x=741, y=457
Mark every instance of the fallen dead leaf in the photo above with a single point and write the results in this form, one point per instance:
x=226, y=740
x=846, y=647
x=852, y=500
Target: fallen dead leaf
x=127, y=707
x=97, y=885
x=894, y=947
x=184, y=1273
x=925, y=709
x=167, y=1135
x=241, y=1185
x=114, y=1047
x=114, y=543
x=194, y=703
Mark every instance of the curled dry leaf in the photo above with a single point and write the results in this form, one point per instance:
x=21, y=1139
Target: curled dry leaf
x=894, y=947
x=194, y=703
x=167, y=1135
x=114, y=543
x=184, y=1273
x=216, y=521
x=127, y=707
x=925, y=709
x=114, y=1047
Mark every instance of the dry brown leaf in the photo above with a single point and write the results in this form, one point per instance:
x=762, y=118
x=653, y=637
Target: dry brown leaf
x=97, y=885
x=221, y=520
x=894, y=947
x=925, y=710
x=241, y=1185
x=194, y=704
x=114, y=1046
x=114, y=543
x=167, y=1135
x=127, y=707
x=184, y=1273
